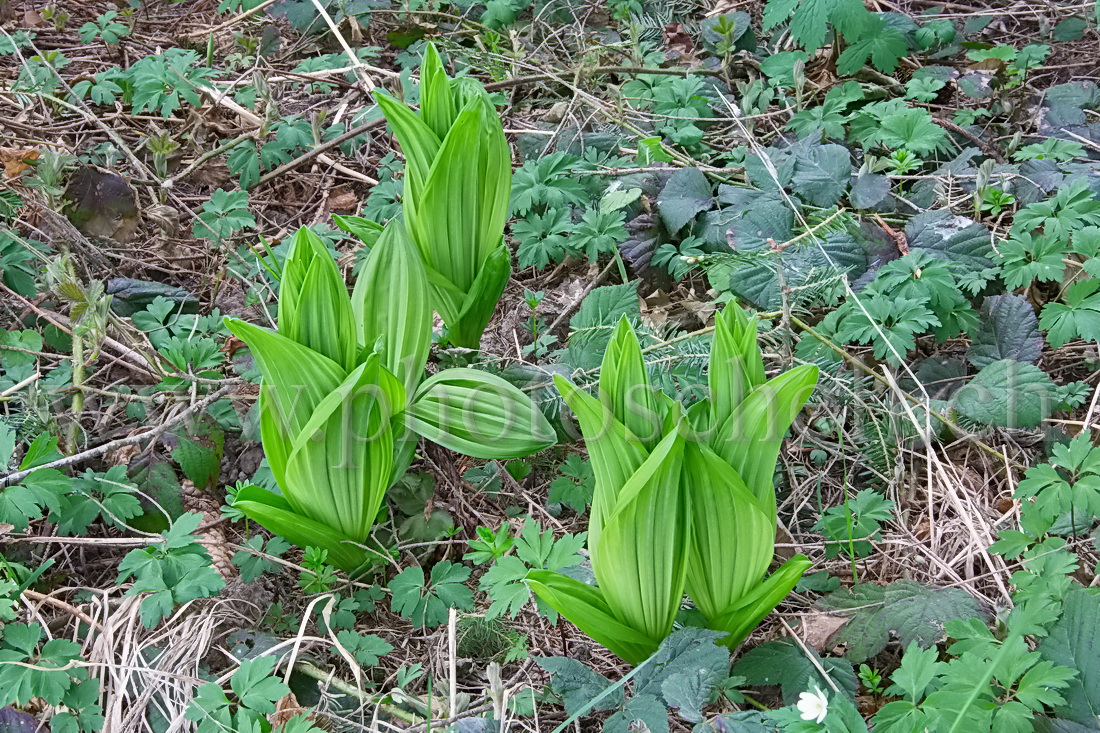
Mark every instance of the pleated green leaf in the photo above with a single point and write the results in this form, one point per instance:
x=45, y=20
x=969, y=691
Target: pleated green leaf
x=479, y=303
x=367, y=230
x=295, y=381
x=437, y=102
x=736, y=364
x=445, y=219
x=751, y=608
x=494, y=177
x=640, y=562
x=340, y=465
x=275, y=513
x=624, y=385
x=751, y=437
x=391, y=307
x=586, y=609
x=733, y=537
x=419, y=144
x=478, y=414
x=457, y=192
x=314, y=307
x=615, y=453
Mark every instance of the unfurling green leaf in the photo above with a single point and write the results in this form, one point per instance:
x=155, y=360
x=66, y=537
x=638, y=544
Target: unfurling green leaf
x=458, y=186
x=681, y=501
x=342, y=387
x=478, y=414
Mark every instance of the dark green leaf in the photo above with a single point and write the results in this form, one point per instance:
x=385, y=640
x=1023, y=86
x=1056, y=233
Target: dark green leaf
x=950, y=238
x=784, y=664
x=604, y=306
x=1009, y=330
x=821, y=174
x=909, y=610
x=641, y=712
x=1074, y=642
x=1008, y=393
x=686, y=194
x=577, y=685
x=869, y=190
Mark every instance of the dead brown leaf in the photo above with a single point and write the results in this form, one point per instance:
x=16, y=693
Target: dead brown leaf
x=341, y=200
x=124, y=455
x=17, y=161
x=818, y=628
x=677, y=39
x=285, y=710
x=34, y=19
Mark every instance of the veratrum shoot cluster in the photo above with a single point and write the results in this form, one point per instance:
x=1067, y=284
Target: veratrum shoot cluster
x=684, y=498
x=458, y=183
x=343, y=398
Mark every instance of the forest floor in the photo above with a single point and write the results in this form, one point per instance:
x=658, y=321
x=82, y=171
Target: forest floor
x=908, y=197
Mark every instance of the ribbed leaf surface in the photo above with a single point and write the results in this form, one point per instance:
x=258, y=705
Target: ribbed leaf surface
x=613, y=450
x=736, y=365
x=437, y=103
x=419, y=144
x=340, y=464
x=478, y=414
x=733, y=537
x=750, y=439
x=586, y=608
x=295, y=381
x=276, y=514
x=445, y=221
x=624, y=385
x=391, y=307
x=642, y=551
x=314, y=308
x=753, y=607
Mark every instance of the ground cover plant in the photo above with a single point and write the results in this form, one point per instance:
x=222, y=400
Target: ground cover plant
x=546, y=365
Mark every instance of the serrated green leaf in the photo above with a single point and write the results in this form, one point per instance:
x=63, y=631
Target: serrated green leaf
x=686, y=671
x=919, y=667
x=785, y=664
x=1009, y=330
x=425, y=604
x=869, y=190
x=640, y=712
x=821, y=174
x=255, y=686
x=604, y=306
x=576, y=684
x=808, y=25
x=1007, y=393
x=687, y=194
x=911, y=611
x=1074, y=642
x=952, y=239
x=885, y=46
x=367, y=649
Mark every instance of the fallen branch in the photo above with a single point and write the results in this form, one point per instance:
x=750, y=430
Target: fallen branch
x=99, y=450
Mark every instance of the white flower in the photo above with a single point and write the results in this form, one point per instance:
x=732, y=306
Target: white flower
x=813, y=705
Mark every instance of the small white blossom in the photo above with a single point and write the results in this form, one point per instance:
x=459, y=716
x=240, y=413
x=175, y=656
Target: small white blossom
x=813, y=705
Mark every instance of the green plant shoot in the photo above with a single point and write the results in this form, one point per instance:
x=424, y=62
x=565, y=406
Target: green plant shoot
x=343, y=399
x=457, y=190
x=684, y=498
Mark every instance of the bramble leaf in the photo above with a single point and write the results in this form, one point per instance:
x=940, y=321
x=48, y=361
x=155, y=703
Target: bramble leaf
x=1009, y=394
x=1009, y=330
x=1074, y=642
x=576, y=684
x=912, y=612
x=784, y=664
x=686, y=194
